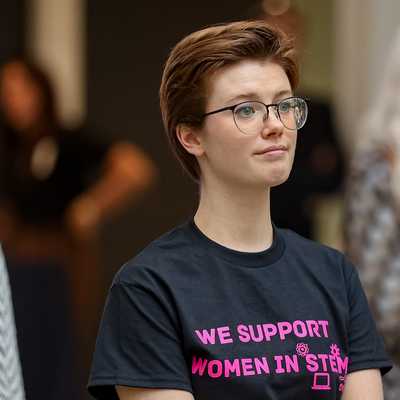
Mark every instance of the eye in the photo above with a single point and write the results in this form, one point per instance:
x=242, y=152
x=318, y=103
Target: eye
x=246, y=110
x=286, y=105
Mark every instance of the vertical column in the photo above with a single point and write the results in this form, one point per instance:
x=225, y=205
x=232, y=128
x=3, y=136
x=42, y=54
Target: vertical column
x=56, y=39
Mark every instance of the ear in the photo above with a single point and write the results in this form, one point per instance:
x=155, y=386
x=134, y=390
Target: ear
x=189, y=139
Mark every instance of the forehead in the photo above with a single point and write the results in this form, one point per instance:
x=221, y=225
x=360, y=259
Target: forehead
x=263, y=78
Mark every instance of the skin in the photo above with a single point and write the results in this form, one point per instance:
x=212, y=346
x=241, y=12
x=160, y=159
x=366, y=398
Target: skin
x=20, y=97
x=363, y=385
x=234, y=208
x=127, y=393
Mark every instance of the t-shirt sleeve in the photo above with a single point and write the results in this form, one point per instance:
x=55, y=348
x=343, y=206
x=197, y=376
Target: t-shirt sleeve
x=138, y=343
x=366, y=345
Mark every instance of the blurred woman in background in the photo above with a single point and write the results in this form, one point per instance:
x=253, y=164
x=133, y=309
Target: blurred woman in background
x=372, y=229
x=57, y=186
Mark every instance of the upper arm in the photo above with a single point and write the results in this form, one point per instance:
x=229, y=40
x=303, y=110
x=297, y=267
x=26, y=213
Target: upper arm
x=139, y=343
x=129, y=393
x=363, y=385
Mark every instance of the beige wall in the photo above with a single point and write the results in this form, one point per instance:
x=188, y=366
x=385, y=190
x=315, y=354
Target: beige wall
x=56, y=39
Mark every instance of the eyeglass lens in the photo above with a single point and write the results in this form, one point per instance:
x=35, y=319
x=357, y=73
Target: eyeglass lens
x=250, y=116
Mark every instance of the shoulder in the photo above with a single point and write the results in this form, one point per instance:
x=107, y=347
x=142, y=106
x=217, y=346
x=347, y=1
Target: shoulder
x=298, y=243
x=163, y=258
x=316, y=256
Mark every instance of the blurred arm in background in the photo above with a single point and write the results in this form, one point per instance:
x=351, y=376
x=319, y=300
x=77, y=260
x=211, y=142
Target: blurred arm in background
x=127, y=173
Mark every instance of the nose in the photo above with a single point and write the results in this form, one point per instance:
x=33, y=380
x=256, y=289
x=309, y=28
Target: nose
x=272, y=124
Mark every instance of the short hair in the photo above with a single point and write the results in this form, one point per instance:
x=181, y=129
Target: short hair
x=183, y=90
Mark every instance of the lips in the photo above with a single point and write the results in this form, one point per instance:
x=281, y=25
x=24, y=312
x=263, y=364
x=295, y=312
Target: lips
x=272, y=149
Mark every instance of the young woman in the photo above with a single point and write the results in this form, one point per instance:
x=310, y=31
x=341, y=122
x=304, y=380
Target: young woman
x=228, y=306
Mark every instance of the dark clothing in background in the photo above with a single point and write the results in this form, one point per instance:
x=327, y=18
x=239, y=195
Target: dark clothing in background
x=190, y=314
x=45, y=334
x=318, y=169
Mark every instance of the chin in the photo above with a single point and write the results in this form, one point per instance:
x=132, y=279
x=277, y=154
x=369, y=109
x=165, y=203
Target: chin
x=276, y=177
x=270, y=181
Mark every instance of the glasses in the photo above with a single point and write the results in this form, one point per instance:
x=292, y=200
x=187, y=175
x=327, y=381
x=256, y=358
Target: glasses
x=250, y=116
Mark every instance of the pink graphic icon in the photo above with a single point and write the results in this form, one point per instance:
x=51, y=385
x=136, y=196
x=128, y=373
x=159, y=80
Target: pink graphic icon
x=342, y=379
x=335, y=351
x=322, y=381
x=302, y=349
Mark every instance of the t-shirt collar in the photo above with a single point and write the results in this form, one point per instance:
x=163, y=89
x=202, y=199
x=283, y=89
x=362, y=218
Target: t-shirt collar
x=239, y=258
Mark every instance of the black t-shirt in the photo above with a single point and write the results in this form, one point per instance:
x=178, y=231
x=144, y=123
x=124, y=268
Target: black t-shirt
x=187, y=313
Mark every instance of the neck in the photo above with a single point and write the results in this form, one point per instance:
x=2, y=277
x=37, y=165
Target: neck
x=235, y=218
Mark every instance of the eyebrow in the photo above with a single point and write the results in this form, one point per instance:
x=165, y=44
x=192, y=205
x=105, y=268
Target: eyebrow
x=256, y=96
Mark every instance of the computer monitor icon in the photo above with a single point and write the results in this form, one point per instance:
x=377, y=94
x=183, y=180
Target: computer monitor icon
x=322, y=381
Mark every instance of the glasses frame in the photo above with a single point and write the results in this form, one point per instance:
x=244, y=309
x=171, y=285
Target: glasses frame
x=267, y=106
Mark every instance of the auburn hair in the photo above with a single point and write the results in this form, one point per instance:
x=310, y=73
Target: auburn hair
x=183, y=90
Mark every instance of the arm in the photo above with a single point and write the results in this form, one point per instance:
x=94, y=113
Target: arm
x=128, y=393
x=139, y=342
x=363, y=385
x=128, y=172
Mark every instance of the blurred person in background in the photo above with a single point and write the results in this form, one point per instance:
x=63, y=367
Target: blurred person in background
x=372, y=210
x=319, y=165
x=57, y=187
x=11, y=383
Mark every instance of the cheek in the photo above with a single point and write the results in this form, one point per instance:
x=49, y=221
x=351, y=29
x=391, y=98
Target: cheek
x=226, y=142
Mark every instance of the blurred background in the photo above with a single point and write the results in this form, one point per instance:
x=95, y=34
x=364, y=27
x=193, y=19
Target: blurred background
x=103, y=60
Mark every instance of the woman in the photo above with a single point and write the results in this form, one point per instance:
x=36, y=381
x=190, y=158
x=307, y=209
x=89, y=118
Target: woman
x=373, y=211
x=56, y=189
x=228, y=306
